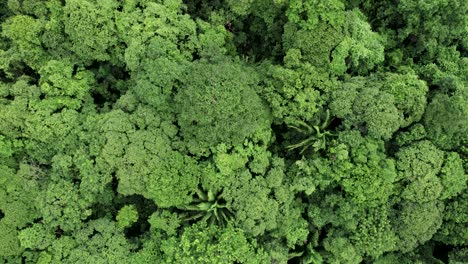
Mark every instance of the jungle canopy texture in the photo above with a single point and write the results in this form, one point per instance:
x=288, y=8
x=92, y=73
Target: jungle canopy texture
x=233, y=131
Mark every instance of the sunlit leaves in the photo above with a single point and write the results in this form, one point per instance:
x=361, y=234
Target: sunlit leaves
x=360, y=50
x=126, y=216
x=24, y=32
x=90, y=24
x=201, y=244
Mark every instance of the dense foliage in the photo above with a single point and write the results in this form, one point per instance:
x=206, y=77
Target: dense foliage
x=233, y=131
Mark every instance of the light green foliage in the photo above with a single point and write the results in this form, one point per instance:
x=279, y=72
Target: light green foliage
x=165, y=221
x=310, y=256
x=362, y=47
x=374, y=235
x=409, y=93
x=201, y=244
x=420, y=213
x=336, y=210
x=358, y=166
x=291, y=221
x=297, y=90
x=419, y=165
x=62, y=206
x=316, y=12
x=37, y=237
x=161, y=174
x=172, y=182
x=370, y=175
x=453, y=177
x=240, y=7
x=327, y=34
x=126, y=216
x=37, y=8
x=213, y=42
x=7, y=149
x=419, y=256
x=159, y=42
x=16, y=205
x=290, y=93
x=41, y=131
x=24, y=33
x=208, y=207
x=58, y=80
x=366, y=232
x=115, y=126
x=230, y=161
x=98, y=241
x=153, y=32
x=302, y=171
x=419, y=160
x=90, y=23
x=12, y=121
x=275, y=211
x=420, y=28
x=254, y=215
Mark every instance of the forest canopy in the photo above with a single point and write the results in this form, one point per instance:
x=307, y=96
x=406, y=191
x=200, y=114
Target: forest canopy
x=223, y=131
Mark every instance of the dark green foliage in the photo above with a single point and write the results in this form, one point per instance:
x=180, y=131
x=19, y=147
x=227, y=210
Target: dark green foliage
x=224, y=131
x=453, y=231
x=380, y=104
x=218, y=103
x=445, y=120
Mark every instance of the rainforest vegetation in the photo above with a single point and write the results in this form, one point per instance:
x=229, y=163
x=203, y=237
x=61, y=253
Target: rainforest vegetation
x=233, y=131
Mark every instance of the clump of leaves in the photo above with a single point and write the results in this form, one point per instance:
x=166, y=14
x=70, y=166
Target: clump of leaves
x=208, y=207
x=316, y=135
x=310, y=256
x=307, y=253
x=126, y=216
